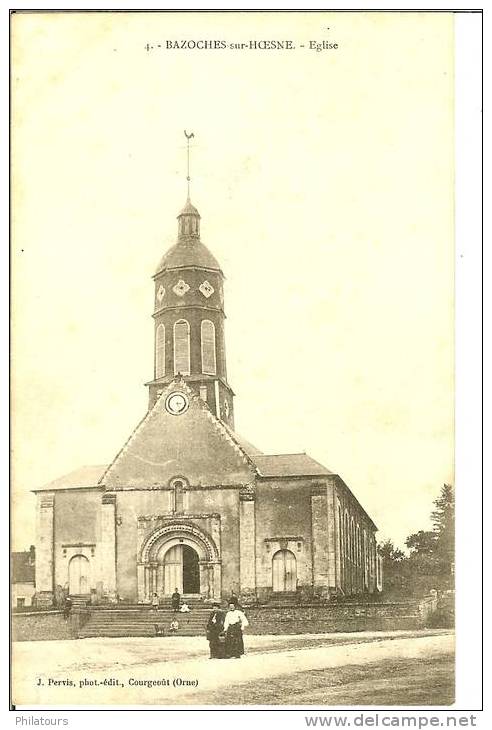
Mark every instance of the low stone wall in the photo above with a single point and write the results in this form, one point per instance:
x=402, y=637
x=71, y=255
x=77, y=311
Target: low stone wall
x=427, y=607
x=306, y=619
x=43, y=626
x=335, y=618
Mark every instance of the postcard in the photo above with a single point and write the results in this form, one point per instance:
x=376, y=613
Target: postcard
x=233, y=359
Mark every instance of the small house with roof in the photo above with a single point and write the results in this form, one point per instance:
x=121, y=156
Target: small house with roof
x=23, y=578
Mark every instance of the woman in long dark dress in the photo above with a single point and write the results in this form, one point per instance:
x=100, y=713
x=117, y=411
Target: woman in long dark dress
x=215, y=628
x=234, y=624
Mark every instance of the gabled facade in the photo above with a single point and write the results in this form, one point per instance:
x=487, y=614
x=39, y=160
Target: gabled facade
x=189, y=504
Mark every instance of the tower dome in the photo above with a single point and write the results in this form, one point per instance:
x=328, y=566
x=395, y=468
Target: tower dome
x=189, y=250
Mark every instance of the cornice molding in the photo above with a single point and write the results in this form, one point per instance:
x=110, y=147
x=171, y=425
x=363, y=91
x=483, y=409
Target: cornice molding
x=188, y=267
x=173, y=517
x=181, y=307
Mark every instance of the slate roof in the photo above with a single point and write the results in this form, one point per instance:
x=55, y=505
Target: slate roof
x=188, y=252
x=244, y=444
x=22, y=569
x=285, y=465
x=268, y=465
x=189, y=209
x=83, y=477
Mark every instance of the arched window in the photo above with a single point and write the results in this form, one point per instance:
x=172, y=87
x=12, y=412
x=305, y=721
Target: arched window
x=340, y=531
x=366, y=557
x=160, y=351
x=182, y=347
x=208, y=348
x=178, y=496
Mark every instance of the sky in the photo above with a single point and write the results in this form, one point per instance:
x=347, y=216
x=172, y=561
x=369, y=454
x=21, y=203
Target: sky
x=325, y=185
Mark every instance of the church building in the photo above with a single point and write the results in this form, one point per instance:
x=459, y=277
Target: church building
x=189, y=504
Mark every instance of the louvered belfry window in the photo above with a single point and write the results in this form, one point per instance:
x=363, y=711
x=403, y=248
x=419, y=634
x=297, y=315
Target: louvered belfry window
x=208, y=348
x=160, y=351
x=182, y=347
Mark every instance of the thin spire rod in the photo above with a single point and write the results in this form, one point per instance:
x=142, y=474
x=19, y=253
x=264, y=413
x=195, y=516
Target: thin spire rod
x=188, y=137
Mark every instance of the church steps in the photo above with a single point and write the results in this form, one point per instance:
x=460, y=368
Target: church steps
x=142, y=621
x=335, y=617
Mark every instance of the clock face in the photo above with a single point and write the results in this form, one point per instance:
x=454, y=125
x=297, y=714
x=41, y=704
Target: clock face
x=176, y=403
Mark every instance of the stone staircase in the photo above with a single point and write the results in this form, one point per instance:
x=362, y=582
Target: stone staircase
x=79, y=601
x=285, y=598
x=143, y=621
x=285, y=618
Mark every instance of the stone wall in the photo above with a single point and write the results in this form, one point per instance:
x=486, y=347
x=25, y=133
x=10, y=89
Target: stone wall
x=134, y=504
x=307, y=619
x=335, y=618
x=356, y=544
x=283, y=521
x=43, y=626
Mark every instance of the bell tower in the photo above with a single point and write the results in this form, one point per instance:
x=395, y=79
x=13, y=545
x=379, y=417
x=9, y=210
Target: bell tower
x=189, y=318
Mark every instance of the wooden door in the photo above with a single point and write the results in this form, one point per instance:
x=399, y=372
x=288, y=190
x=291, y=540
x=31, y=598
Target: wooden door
x=173, y=570
x=78, y=575
x=284, y=571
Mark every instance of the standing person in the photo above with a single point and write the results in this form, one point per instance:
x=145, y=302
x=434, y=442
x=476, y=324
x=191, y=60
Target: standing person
x=235, y=599
x=215, y=627
x=155, y=601
x=175, y=600
x=67, y=608
x=234, y=624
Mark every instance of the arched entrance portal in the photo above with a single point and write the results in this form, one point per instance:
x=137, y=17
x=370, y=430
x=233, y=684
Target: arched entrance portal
x=178, y=555
x=181, y=570
x=78, y=576
x=284, y=569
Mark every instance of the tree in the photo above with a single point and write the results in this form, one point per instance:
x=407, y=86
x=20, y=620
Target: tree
x=432, y=551
x=443, y=522
x=393, y=566
x=389, y=553
x=422, y=542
